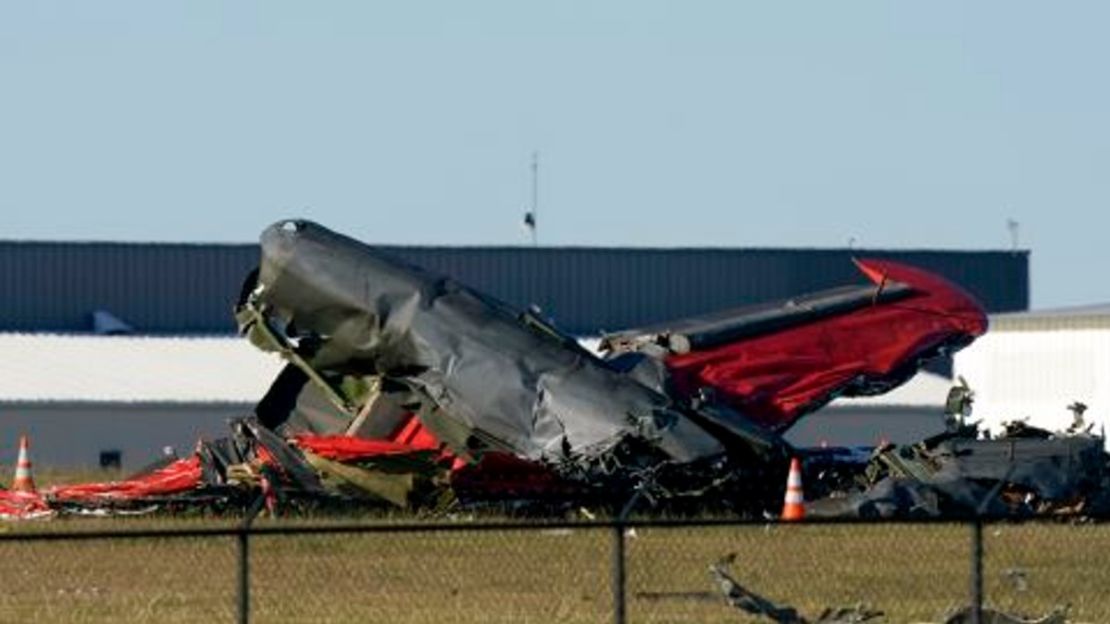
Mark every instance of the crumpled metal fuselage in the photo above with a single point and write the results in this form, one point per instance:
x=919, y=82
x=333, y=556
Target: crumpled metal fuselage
x=486, y=378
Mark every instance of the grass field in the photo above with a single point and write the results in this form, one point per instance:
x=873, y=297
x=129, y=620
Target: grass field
x=913, y=572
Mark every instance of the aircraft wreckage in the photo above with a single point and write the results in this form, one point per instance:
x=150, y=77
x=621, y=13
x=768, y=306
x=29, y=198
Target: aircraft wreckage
x=408, y=388
x=375, y=344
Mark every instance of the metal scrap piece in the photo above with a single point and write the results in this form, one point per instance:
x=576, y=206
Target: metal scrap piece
x=966, y=615
x=751, y=602
x=747, y=600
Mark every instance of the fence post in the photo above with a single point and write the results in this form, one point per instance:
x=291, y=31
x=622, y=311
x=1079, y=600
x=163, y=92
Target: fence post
x=245, y=558
x=977, y=542
x=244, y=575
x=619, y=604
x=618, y=572
x=977, y=570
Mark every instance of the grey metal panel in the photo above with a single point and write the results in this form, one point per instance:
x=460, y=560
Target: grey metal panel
x=189, y=289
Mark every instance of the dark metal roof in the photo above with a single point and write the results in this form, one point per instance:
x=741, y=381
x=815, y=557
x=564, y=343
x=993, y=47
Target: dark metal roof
x=164, y=288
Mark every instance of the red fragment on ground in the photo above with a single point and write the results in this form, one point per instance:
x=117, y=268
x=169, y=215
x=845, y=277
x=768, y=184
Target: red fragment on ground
x=179, y=476
x=22, y=505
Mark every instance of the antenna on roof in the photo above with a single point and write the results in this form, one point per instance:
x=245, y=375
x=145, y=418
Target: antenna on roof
x=1013, y=226
x=531, y=215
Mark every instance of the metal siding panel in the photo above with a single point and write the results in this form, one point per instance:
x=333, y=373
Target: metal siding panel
x=177, y=288
x=1036, y=374
x=158, y=288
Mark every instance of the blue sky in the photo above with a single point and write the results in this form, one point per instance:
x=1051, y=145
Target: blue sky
x=906, y=125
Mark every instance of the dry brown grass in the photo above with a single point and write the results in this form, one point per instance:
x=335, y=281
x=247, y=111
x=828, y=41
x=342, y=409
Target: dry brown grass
x=913, y=572
x=46, y=476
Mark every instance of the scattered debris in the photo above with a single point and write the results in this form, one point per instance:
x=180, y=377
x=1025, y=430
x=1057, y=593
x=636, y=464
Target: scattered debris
x=1079, y=425
x=1018, y=578
x=1026, y=471
x=680, y=409
x=991, y=616
x=750, y=602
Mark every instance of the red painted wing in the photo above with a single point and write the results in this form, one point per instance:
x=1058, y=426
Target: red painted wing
x=776, y=377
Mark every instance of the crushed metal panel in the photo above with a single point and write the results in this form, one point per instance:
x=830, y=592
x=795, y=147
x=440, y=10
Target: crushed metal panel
x=957, y=475
x=371, y=339
x=750, y=602
x=1055, y=469
x=513, y=386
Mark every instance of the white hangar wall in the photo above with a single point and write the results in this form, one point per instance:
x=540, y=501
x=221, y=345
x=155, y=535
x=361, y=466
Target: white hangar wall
x=78, y=396
x=1034, y=365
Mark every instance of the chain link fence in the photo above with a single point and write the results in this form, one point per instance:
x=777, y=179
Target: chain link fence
x=640, y=571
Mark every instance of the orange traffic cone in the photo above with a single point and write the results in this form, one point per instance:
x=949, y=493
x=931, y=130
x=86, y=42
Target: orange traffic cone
x=23, y=481
x=793, y=508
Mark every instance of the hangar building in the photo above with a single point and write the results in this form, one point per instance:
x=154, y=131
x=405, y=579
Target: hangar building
x=1032, y=365
x=115, y=350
